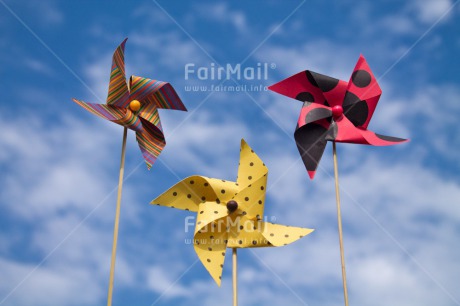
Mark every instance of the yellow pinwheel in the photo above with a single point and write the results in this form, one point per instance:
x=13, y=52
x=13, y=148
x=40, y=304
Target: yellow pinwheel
x=229, y=214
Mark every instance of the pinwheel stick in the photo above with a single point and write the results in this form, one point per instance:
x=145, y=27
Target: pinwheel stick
x=117, y=217
x=234, y=276
x=339, y=220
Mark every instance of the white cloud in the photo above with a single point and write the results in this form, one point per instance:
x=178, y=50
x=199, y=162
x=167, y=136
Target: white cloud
x=46, y=286
x=220, y=12
x=429, y=11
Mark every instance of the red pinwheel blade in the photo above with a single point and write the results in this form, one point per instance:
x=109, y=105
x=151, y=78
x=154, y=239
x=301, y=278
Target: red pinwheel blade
x=332, y=89
x=160, y=94
x=348, y=133
x=299, y=87
x=118, y=89
x=363, y=94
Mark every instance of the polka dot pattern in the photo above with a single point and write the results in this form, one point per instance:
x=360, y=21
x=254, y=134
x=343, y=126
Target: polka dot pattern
x=305, y=97
x=324, y=82
x=279, y=235
x=211, y=249
x=358, y=97
x=216, y=228
x=361, y=78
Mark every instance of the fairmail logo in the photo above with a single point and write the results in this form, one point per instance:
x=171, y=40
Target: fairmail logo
x=228, y=72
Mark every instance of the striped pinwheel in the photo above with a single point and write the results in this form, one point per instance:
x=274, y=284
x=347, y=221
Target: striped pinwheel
x=135, y=106
x=333, y=110
x=229, y=214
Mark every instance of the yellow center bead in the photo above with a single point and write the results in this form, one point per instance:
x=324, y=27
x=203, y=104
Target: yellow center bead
x=135, y=105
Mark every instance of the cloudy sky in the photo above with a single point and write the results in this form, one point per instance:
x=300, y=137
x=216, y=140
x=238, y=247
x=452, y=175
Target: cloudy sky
x=59, y=164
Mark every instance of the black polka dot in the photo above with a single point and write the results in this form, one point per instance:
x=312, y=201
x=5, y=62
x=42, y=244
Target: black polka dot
x=324, y=82
x=249, y=177
x=361, y=78
x=260, y=202
x=197, y=242
x=199, y=222
x=187, y=209
x=209, y=249
x=252, y=151
x=189, y=196
x=254, y=242
x=251, y=164
x=211, y=237
x=217, y=201
x=192, y=182
x=286, y=236
x=241, y=227
x=305, y=97
x=317, y=114
x=272, y=234
x=216, y=212
x=240, y=242
x=223, y=181
x=222, y=191
x=220, y=276
x=354, y=109
x=244, y=213
x=223, y=253
x=221, y=266
x=174, y=193
x=208, y=260
x=246, y=199
x=262, y=187
x=201, y=212
x=203, y=199
x=206, y=184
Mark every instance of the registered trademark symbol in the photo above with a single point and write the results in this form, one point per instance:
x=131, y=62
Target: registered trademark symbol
x=272, y=66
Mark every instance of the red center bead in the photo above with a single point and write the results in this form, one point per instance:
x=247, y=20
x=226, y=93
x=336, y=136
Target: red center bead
x=337, y=111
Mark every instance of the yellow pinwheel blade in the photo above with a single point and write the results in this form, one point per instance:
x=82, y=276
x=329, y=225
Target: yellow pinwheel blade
x=279, y=235
x=187, y=194
x=251, y=167
x=210, y=246
x=210, y=212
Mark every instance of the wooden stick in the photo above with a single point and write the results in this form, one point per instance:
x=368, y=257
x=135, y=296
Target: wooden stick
x=234, y=275
x=339, y=220
x=117, y=218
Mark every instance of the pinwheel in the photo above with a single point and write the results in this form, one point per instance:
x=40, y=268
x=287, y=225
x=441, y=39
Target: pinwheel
x=333, y=110
x=135, y=107
x=229, y=214
x=337, y=111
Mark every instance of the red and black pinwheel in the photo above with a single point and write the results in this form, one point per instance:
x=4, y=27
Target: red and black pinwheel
x=333, y=110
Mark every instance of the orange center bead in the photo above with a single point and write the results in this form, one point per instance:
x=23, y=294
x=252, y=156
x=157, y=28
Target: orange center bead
x=134, y=105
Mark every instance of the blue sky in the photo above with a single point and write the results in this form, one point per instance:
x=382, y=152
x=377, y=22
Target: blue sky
x=59, y=164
